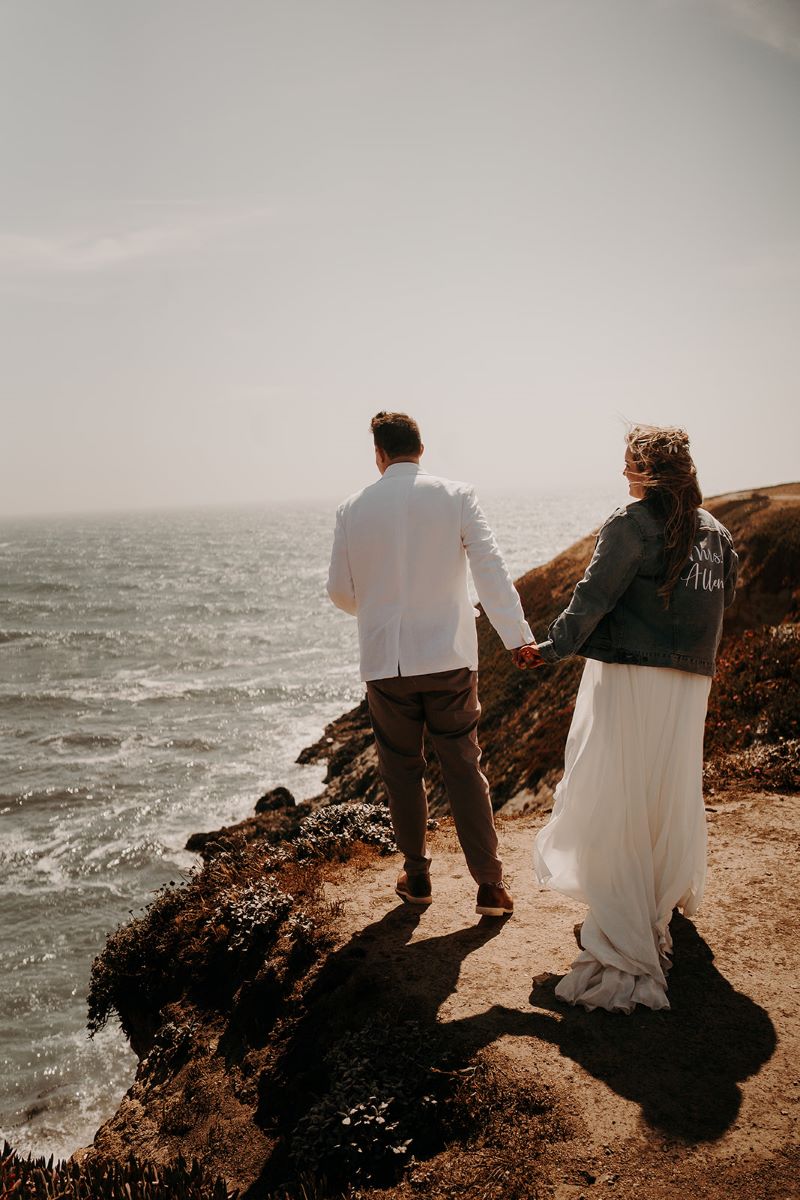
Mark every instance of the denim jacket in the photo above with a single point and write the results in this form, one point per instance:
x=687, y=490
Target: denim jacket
x=616, y=615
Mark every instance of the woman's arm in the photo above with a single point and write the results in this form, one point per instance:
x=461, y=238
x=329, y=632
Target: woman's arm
x=617, y=555
x=731, y=570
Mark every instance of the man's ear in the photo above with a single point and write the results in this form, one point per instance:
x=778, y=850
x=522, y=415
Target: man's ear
x=421, y=449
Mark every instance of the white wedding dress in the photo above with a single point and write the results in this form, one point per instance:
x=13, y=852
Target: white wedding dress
x=627, y=833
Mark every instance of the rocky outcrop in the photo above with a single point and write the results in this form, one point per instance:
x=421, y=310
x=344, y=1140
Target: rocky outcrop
x=277, y=819
x=526, y=715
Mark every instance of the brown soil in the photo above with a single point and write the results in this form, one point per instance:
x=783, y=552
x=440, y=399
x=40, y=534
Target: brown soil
x=699, y=1101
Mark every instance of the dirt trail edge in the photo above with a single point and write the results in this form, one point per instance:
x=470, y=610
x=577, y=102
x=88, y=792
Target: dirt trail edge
x=699, y=1101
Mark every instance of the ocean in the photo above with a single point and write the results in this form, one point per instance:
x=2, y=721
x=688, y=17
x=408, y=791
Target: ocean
x=159, y=671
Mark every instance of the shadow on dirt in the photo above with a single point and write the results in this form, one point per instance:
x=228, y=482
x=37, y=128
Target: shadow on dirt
x=379, y=997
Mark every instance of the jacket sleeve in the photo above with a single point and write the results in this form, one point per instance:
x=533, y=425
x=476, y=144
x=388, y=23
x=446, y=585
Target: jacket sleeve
x=617, y=555
x=496, y=592
x=731, y=571
x=341, y=588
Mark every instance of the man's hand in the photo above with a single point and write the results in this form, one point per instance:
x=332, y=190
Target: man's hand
x=527, y=657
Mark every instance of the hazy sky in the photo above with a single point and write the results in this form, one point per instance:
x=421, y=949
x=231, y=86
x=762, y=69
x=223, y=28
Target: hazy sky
x=231, y=232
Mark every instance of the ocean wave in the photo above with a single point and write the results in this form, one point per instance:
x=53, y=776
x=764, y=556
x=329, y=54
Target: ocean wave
x=124, y=855
x=62, y=862
x=51, y=795
x=224, y=608
x=193, y=743
x=46, y=586
x=58, y=1103
x=145, y=691
x=85, y=635
x=78, y=738
x=17, y=603
x=60, y=637
x=47, y=700
x=110, y=610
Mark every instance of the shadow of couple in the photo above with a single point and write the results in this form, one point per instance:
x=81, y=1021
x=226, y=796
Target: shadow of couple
x=682, y=1066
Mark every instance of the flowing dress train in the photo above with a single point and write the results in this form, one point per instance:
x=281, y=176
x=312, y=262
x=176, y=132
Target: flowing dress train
x=627, y=834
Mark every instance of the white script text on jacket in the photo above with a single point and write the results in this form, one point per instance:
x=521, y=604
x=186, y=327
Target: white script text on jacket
x=399, y=564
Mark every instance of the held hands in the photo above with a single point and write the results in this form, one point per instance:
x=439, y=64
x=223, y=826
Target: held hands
x=527, y=657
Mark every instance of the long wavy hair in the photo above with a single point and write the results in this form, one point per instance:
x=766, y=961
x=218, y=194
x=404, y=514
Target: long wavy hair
x=667, y=472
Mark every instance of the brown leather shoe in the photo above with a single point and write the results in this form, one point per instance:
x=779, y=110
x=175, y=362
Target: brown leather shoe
x=414, y=889
x=494, y=900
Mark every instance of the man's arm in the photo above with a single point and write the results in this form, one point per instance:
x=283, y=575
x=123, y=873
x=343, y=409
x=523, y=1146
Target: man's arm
x=496, y=592
x=341, y=588
x=614, y=564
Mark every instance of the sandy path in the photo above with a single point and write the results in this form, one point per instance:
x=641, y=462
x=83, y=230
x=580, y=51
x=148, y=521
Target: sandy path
x=702, y=1100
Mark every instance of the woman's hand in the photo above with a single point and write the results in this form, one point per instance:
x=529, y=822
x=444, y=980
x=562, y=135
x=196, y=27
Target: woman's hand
x=527, y=657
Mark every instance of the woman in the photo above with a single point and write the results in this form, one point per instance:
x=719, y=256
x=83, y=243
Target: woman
x=627, y=835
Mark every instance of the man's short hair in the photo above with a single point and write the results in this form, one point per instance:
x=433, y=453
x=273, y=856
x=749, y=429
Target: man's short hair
x=396, y=434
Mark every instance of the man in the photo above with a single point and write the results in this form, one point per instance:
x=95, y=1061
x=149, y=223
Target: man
x=399, y=564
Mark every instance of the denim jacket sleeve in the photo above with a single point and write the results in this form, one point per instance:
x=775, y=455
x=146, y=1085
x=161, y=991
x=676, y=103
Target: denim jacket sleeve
x=617, y=554
x=731, y=570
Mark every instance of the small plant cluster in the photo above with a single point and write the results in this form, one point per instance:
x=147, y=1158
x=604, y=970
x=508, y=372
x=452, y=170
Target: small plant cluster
x=173, y=1044
x=42, y=1179
x=754, y=709
x=771, y=768
x=329, y=833
x=381, y=1104
x=250, y=915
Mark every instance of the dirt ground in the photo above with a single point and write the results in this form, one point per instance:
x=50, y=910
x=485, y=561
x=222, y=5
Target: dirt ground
x=702, y=1100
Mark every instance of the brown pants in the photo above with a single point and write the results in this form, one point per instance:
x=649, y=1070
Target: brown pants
x=446, y=703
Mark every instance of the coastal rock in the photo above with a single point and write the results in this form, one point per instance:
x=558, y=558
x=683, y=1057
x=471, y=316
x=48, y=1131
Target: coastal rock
x=279, y=797
x=273, y=824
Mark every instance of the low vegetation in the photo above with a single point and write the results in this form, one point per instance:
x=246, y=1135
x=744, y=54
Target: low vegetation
x=753, y=725
x=41, y=1179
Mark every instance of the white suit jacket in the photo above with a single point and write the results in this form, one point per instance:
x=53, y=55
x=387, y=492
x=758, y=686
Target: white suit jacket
x=399, y=564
